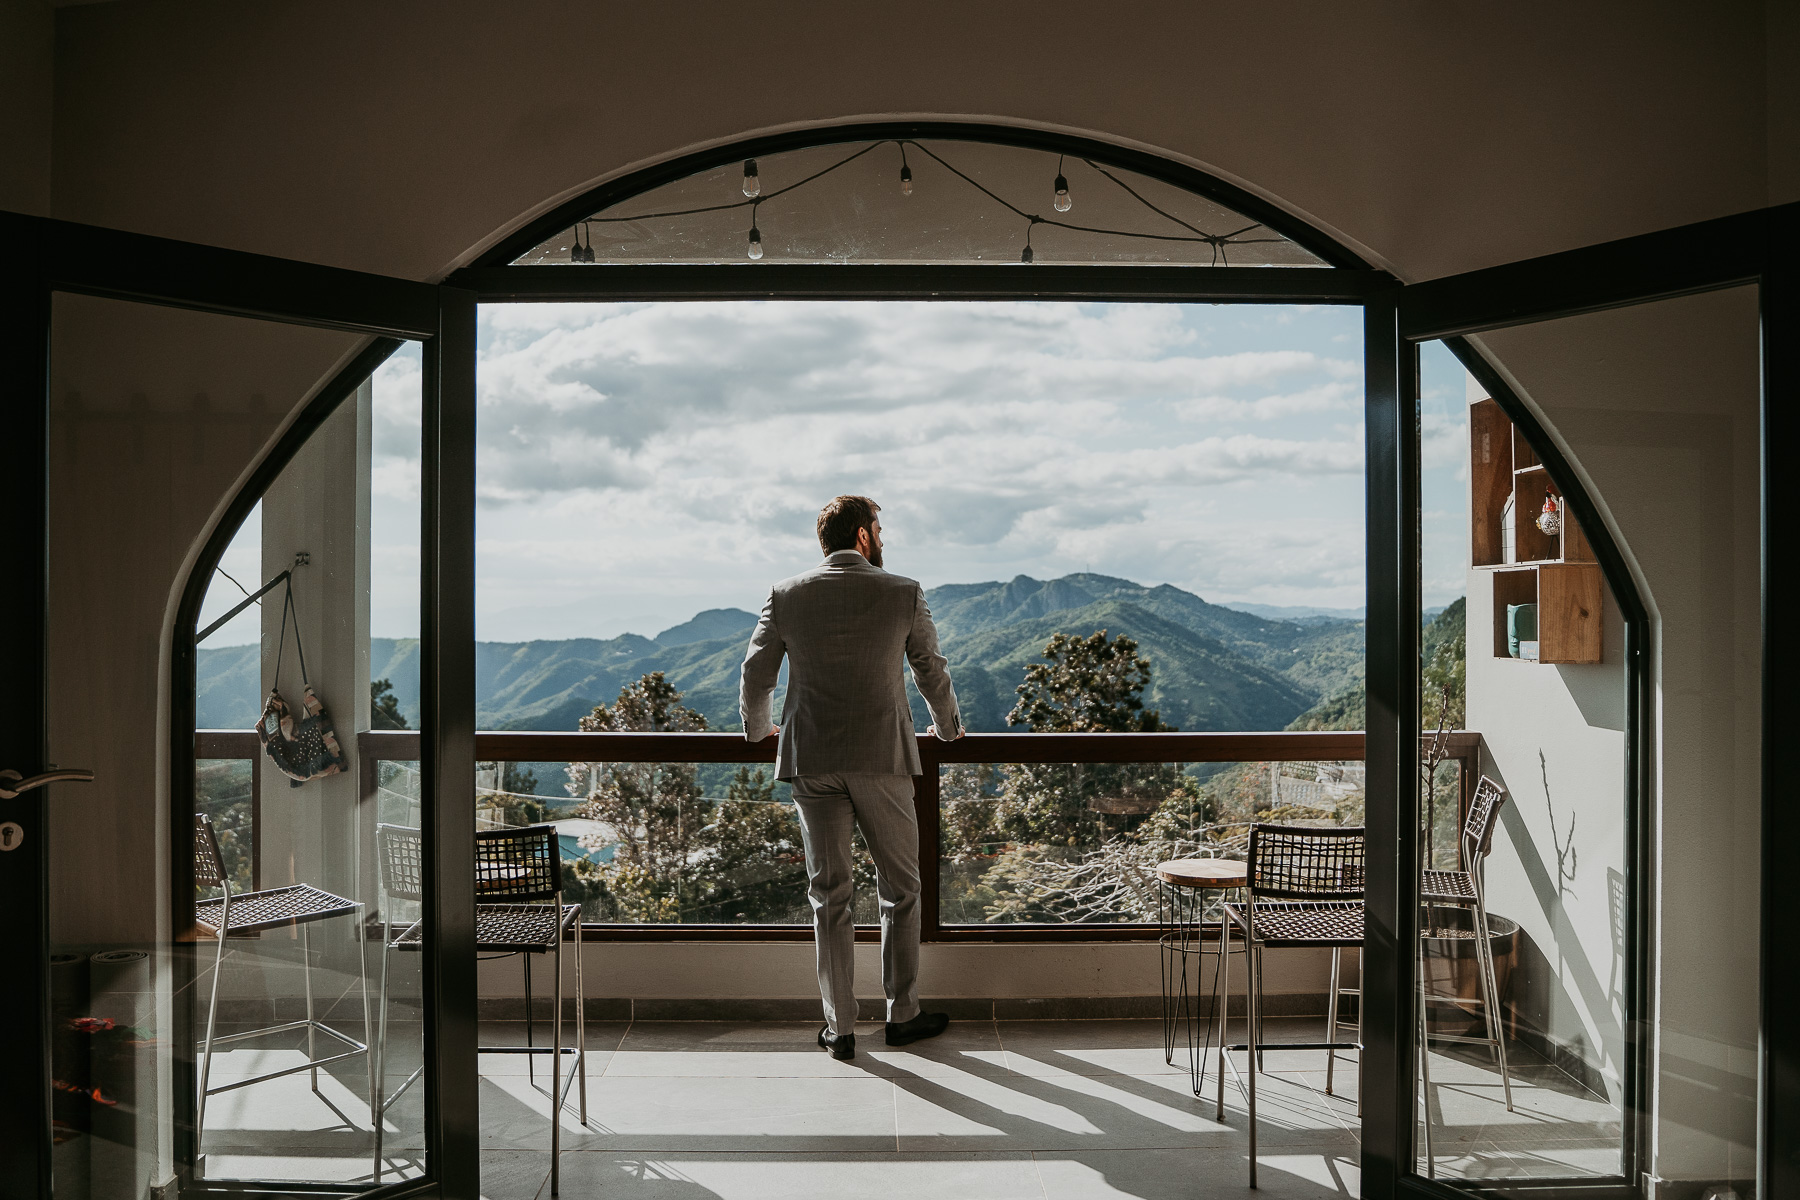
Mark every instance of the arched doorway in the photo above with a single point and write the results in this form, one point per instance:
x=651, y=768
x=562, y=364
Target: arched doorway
x=766, y=222
x=447, y=624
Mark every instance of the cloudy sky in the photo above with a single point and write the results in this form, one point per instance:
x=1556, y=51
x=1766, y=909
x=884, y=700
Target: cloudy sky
x=642, y=462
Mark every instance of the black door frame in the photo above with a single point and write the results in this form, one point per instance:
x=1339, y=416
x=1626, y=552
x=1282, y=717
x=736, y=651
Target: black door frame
x=49, y=256
x=1761, y=247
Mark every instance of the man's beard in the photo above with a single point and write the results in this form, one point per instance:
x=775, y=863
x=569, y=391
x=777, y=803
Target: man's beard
x=874, y=555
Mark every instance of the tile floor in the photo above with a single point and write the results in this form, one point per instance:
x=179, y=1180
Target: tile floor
x=993, y=1109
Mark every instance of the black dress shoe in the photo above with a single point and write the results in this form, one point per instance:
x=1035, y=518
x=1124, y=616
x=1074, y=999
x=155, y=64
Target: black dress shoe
x=925, y=1025
x=838, y=1045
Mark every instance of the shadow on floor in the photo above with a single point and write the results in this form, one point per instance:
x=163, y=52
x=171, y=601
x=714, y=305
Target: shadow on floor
x=993, y=1109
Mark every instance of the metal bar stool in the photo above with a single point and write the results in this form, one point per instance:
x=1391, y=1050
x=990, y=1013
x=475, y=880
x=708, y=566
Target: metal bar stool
x=1305, y=890
x=252, y=912
x=1463, y=889
x=1187, y=883
x=402, y=873
x=516, y=869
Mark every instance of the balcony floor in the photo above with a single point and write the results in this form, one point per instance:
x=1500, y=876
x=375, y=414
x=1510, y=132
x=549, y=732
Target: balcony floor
x=993, y=1109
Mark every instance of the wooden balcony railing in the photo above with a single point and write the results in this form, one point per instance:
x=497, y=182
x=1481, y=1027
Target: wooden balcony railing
x=507, y=746
x=1328, y=746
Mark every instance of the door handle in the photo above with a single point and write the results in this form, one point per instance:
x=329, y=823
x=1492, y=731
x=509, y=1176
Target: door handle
x=12, y=783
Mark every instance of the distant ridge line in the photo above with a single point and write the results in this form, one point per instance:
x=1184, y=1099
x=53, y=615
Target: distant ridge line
x=1215, y=668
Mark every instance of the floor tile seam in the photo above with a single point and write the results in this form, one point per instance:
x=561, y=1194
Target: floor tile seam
x=865, y=1155
x=1237, y=1146
x=875, y=1144
x=630, y=1022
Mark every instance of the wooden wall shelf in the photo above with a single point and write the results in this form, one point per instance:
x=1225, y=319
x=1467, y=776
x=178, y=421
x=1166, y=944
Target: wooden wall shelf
x=1508, y=485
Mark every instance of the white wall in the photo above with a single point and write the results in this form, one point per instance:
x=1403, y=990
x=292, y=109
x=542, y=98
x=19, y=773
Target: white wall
x=1554, y=739
x=403, y=137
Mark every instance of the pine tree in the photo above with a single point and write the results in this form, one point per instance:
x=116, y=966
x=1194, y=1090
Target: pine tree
x=655, y=812
x=384, y=706
x=1087, y=685
x=1084, y=685
x=758, y=862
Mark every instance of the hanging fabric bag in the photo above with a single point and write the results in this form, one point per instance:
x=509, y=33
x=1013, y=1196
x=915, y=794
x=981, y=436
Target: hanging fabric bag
x=302, y=745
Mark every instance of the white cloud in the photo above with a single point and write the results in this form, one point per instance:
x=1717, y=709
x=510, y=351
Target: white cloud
x=1337, y=395
x=645, y=459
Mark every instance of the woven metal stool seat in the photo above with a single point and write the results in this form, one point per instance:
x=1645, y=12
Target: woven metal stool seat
x=1297, y=923
x=504, y=928
x=274, y=908
x=522, y=927
x=1447, y=887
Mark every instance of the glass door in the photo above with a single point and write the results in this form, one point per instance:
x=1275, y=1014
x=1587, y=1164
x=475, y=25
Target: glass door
x=235, y=988
x=1572, y=931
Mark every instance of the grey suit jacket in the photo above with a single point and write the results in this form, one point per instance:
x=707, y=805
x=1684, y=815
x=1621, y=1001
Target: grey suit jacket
x=846, y=628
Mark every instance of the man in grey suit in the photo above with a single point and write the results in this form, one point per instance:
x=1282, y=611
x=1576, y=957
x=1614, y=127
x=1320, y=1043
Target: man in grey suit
x=847, y=747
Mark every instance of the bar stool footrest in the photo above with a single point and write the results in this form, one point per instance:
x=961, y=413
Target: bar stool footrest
x=356, y=1048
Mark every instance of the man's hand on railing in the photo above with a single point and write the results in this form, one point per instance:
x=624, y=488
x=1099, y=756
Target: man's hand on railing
x=931, y=731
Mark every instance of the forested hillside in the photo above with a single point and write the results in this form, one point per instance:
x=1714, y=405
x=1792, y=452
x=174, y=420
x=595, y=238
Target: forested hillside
x=1213, y=668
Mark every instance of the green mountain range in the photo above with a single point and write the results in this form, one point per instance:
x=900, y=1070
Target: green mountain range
x=1213, y=668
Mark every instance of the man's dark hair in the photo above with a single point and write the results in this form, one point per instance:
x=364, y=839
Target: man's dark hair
x=840, y=519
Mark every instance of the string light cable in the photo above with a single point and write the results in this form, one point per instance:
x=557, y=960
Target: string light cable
x=1061, y=200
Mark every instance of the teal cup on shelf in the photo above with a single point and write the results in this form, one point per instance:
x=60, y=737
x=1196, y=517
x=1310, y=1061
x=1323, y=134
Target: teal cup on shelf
x=1521, y=625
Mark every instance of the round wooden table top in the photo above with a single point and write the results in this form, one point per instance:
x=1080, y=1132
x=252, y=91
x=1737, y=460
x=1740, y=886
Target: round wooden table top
x=1202, y=872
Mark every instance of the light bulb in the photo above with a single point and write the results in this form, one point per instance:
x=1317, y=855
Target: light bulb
x=906, y=181
x=755, y=242
x=752, y=185
x=575, y=250
x=1063, y=203
x=1025, y=257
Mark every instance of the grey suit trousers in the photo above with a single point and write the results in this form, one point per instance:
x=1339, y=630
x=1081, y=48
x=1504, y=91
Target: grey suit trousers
x=882, y=806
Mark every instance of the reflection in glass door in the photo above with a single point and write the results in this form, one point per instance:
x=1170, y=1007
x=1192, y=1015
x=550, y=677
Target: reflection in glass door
x=221, y=1012
x=1534, y=869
